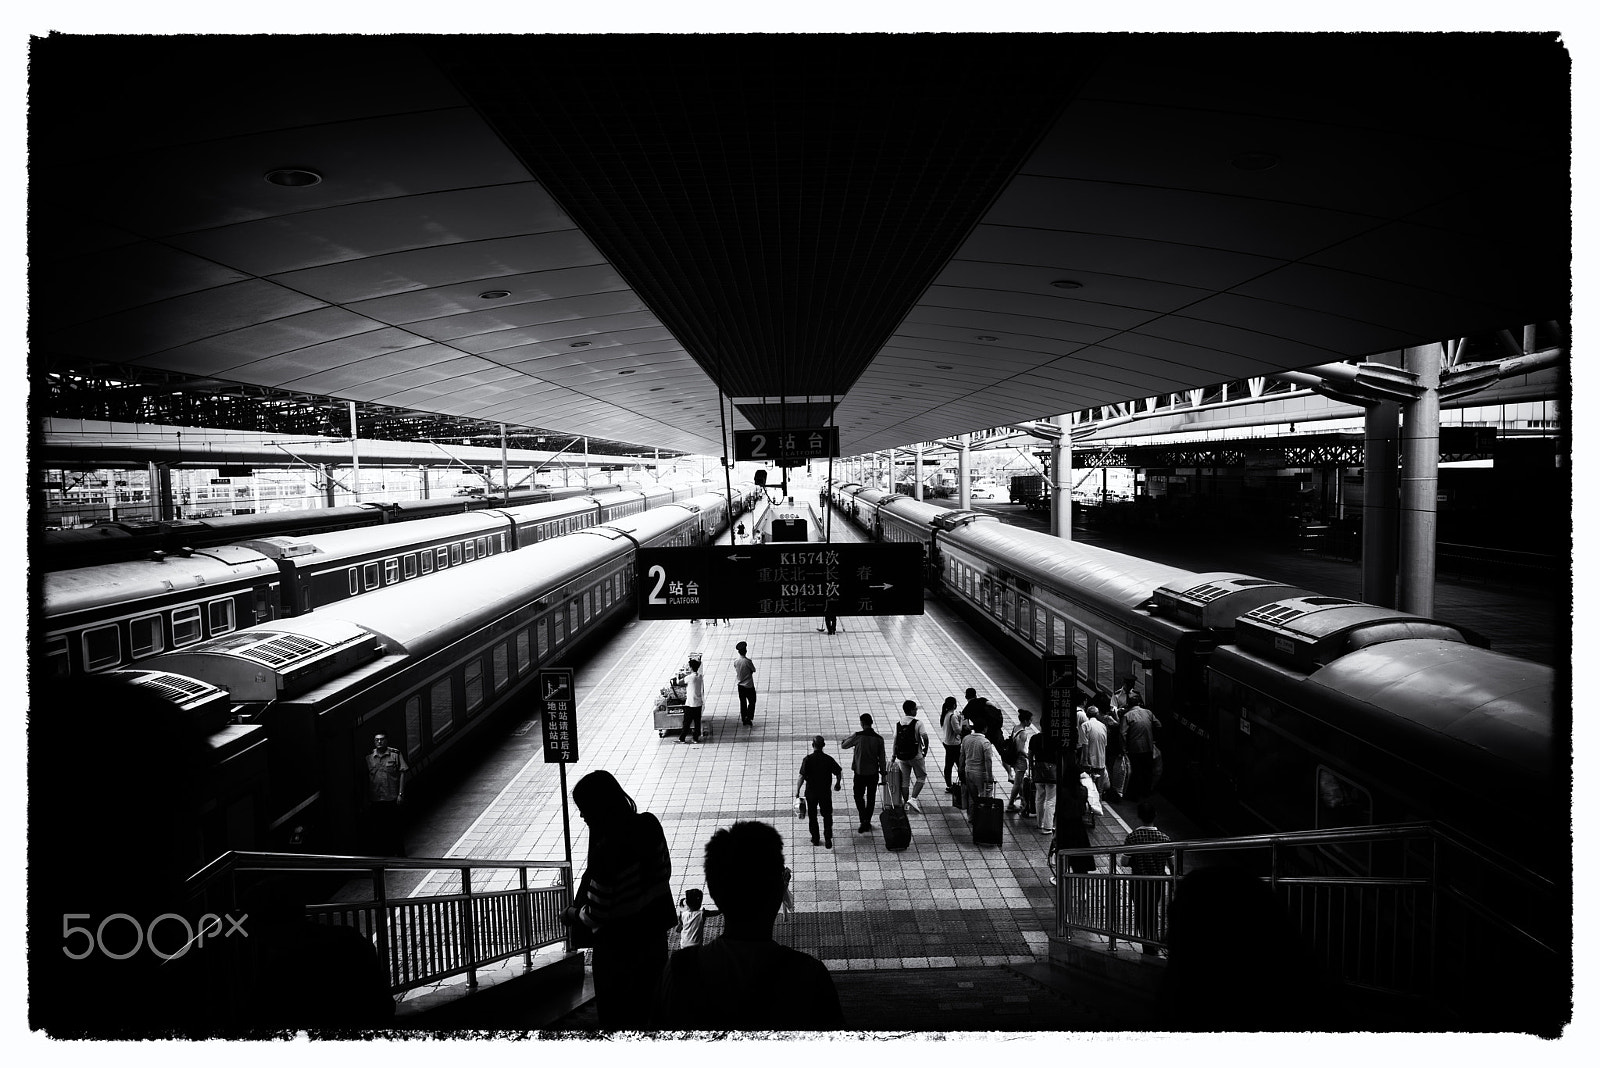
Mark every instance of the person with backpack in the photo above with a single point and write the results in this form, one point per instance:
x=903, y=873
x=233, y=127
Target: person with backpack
x=1017, y=753
x=911, y=753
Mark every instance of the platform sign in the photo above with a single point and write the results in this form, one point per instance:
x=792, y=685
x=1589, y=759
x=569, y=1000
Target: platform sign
x=778, y=446
x=558, y=714
x=1060, y=714
x=774, y=581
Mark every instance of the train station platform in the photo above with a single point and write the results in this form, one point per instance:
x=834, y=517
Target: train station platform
x=980, y=917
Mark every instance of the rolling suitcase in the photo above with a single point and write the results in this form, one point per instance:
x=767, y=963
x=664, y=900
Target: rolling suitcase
x=988, y=821
x=896, y=827
x=893, y=787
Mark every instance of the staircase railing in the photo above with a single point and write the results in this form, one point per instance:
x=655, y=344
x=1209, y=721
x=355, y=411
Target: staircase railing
x=1403, y=910
x=495, y=910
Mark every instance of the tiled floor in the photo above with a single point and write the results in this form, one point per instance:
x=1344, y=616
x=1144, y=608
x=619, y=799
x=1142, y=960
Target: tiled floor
x=942, y=902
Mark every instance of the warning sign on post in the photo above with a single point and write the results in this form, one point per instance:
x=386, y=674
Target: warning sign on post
x=1060, y=716
x=558, y=714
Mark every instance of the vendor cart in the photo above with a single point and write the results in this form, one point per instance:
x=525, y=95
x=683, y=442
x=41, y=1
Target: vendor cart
x=669, y=706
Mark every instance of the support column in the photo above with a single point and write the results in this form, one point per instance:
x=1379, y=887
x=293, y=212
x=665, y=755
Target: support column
x=963, y=476
x=1379, y=520
x=505, y=471
x=424, y=482
x=1061, y=480
x=916, y=481
x=1419, y=483
x=355, y=458
x=327, y=482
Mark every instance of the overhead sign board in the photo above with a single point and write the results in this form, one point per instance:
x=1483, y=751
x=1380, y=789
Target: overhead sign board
x=558, y=715
x=777, y=446
x=774, y=581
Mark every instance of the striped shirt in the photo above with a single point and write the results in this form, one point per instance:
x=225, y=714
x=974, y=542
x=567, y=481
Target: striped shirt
x=628, y=870
x=1147, y=863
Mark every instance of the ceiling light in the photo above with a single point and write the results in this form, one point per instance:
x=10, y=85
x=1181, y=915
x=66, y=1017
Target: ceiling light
x=624, y=372
x=1254, y=161
x=942, y=367
x=1066, y=283
x=293, y=177
x=897, y=398
x=578, y=345
x=494, y=294
x=987, y=337
x=655, y=389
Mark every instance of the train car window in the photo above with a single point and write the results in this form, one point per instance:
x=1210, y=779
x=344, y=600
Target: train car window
x=500, y=666
x=1105, y=666
x=102, y=648
x=544, y=637
x=455, y=554
x=606, y=588
x=473, y=684
x=409, y=562
x=469, y=550
x=391, y=571
x=561, y=625
x=1080, y=649
x=1025, y=617
x=58, y=656
x=220, y=616
x=483, y=547
x=186, y=625
x=588, y=603
x=369, y=576
x=441, y=556
x=413, y=719
x=355, y=582
x=144, y=636
x=1041, y=628
x=425, y=558
x=1058, y=636
x=523, y=656
x=441, y=705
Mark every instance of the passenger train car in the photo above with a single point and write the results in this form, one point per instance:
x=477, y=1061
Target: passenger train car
x=1282, y=709
x=108, y=542
x=427, y=663
x=117, y=614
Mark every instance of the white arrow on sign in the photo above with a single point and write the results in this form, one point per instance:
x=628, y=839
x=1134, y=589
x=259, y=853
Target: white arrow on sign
x=739, y=556
x=882, y=586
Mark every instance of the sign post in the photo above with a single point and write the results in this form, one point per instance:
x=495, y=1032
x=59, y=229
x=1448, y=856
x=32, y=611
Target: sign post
x=558, y=715
x=1060, y=717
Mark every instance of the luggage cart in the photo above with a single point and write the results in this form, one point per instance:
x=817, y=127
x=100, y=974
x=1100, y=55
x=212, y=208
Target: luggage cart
x=668, y=713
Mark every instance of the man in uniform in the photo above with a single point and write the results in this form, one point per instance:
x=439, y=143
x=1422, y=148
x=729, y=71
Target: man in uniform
x=386, y=791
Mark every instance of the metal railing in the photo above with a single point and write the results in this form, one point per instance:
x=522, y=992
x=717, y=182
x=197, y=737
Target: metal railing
x=1406, y=910
x=419, y=940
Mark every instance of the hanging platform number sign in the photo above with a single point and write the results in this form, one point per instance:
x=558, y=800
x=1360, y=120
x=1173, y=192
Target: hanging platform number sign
x=558, y=715
x=771, y=446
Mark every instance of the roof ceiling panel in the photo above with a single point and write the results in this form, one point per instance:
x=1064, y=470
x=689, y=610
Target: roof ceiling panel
x=289, y=334
x=441, y=265
x=502, y=315
x=307, y=239
x=63, y=291
x=465, y=298
x=626, y=328
x=1176, y=266
x=1062, y=307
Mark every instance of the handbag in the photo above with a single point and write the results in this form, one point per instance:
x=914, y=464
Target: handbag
x=799, y=807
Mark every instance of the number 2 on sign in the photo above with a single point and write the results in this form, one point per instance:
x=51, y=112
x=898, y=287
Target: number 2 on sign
x=659, y=573
x=758, y=446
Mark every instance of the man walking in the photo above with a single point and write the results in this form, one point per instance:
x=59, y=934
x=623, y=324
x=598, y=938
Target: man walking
x=1022, y=783
x=1139, y=726
x=977, y=769
x=911, y=752
x=1148, y=893
x=386, y=791
x=1094, y=751
x=867, y=767
x=815, y=771
x=744, y=673
x=694, y=702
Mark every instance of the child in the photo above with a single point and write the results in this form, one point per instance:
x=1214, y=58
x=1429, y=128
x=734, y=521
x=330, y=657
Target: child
x=692, y=918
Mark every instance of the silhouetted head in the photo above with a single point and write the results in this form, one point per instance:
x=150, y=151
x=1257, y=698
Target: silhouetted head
x=971, y=693
x=818, y=742
x=910, y=708
x=745, y=872
x=1147, y=812
x=866, y=721
x=693, y=898
x=741, y=647
x=601, y=800
x=949, y=705
x=1024, y=716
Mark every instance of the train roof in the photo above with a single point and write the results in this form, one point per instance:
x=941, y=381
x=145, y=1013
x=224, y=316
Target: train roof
x=1112, y=578
x=1215, y=599
x=365, y=541
x=277, y=659
x=1312, y=629
x=128, y=582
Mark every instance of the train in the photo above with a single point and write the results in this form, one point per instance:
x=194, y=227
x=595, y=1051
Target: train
x=103, y=543
x=1282, y=709
x=291, y=704
x=113, y=615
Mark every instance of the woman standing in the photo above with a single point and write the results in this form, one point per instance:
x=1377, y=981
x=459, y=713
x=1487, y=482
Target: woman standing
x=623, y=906
x=950, y=734
x=1072, y=832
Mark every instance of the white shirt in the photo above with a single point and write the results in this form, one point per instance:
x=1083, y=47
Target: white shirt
x=695, y=692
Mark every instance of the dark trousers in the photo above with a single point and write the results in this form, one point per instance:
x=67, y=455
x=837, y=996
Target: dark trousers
x=747, y=703
x=1147, y=912
x=952, y=755
x=691, y=721
x=824, y=806
x=1141, y=772
x=831, y=622
x=383, y=829
x=627, y=976
x=866, y=787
